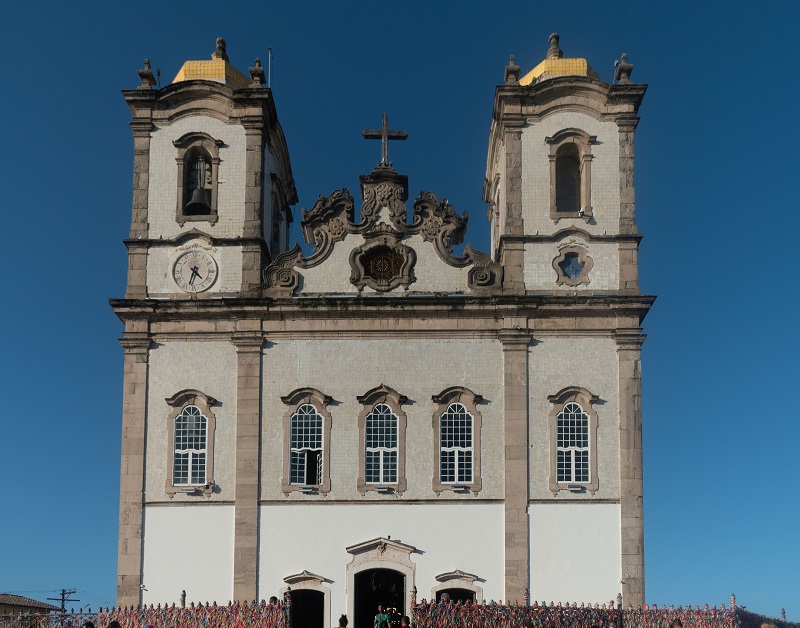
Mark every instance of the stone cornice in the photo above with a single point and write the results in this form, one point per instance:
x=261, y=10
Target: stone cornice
x=351, y=306
x=581, y=233
x=133, y=243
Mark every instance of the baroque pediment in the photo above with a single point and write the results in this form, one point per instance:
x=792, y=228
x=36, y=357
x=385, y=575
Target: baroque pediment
x=382, y=260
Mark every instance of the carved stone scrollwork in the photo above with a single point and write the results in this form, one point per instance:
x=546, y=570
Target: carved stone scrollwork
x=485, y=274
x=328, y=222
x=384, y=187
x=439, y=223
x=383, y=262
x=280, y=278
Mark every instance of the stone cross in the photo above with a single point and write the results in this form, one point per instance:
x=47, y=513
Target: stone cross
x=384, y=135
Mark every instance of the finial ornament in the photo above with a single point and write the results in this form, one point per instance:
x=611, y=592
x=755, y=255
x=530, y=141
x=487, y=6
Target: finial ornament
x=257, y=75
x=622, y=74
x=512, y=71
x=146, y=76
x=221, y=50
x=554, y=51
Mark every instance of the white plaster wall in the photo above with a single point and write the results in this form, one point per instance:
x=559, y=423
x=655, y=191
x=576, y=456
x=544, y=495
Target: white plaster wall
x=347, y=367
x=160, y=261
x=187, y=548
x=163, y=192
x=554, y=364
x=433, y=274
x=536, y=174
x=206, y=366
x=575, y=552
x=540, y=275
x=294, y=537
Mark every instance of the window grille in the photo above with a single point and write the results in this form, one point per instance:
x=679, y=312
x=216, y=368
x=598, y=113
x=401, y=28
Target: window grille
x=305, y=463
x=572, y=430
x=381, y=446
x=189, y=461
x=456, y=445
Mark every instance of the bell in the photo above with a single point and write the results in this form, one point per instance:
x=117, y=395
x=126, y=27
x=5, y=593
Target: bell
x=199, y=204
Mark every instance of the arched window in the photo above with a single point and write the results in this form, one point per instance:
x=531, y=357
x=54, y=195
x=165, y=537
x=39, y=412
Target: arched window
x=306, y=441
x=572, y=430
x=380, y=457
x=198, y=169
x=198, y=183
x=456, y=445
x=570, y=174
x=573, y=441
x=189, y=460
x=191, y=426
x=382, y=441
x=568, y=179
x=305, y=449
x=457, y=428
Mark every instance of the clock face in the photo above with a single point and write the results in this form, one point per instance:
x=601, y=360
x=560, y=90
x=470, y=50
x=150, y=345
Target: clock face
x=194, y=271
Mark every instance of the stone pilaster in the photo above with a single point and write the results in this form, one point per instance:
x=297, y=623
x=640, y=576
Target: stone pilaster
x=515, y=423
x=627, y=191
x=512, y=253
x=137, y=255
x=249, y=342
x=629, y=267
x=252, y=254
x=134, y=415
x=629, y=345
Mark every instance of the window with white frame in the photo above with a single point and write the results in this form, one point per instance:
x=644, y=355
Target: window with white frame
x=573, y=441
x=455, y=458
x=382, y=441
x=457, y=441
x=380, y=456
x=305, y=462
x=191, y=426
x=189, y=461
x=572, y=429
x=306, y=442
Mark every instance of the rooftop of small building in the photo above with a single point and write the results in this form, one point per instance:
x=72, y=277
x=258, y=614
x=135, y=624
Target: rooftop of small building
x=8, y=599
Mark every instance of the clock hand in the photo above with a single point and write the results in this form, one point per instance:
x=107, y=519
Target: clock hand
x=195, y=275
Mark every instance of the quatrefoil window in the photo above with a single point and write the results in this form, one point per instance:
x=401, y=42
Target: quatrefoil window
x=572, y=266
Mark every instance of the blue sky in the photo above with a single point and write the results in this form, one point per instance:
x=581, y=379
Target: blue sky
x=716, y=157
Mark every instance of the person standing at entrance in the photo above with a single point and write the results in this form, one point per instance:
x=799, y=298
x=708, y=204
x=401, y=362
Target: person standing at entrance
x=382, y=619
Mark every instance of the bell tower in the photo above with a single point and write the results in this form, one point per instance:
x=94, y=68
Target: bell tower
x=559, y=177
x=560, y=187
x=212, y=185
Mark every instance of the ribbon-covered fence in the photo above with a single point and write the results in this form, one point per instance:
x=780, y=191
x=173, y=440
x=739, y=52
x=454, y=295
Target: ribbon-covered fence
x=424, y=615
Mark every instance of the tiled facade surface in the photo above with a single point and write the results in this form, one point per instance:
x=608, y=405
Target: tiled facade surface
x=554, y=363
x=210, y=367
x=515, y=343
x=541, y=276
x=605, y=174
x=163, y=196
x=432, y=274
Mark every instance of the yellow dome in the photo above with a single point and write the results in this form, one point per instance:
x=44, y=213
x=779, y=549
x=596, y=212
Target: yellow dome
x=555, y=65
x=218, y=69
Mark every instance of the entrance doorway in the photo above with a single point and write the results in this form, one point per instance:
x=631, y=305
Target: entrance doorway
x=378, y=586
x=456, y=595
x=308, y=609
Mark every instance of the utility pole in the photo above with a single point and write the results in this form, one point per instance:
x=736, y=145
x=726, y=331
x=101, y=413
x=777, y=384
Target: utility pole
x=65, y=597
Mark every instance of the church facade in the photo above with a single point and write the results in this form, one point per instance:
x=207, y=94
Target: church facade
x=385, y=416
